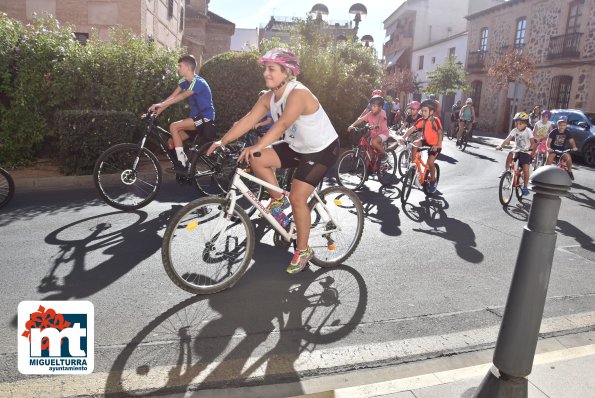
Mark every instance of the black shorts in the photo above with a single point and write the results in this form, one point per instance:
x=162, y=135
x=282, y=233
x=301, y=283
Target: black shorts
x=431, y=152
x=523, y=158
x=206, y=129
x=310, y=167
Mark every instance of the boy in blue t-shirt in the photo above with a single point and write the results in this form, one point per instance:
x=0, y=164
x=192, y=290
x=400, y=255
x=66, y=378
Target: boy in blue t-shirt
x=201, y=119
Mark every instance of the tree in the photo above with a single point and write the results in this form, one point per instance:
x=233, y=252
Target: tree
x=512, y=66
x=447, y=78
x=401, y=81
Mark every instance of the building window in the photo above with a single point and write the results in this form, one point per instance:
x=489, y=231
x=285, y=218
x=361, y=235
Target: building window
x=575, y=12
x=421, y=62
x=81, y=37
x=560, y=92
x=451, y=52
x=521, y=28
x=170, y=9
x=181, y=19
x=476, y=95
x=433, y=60
x=483, y=40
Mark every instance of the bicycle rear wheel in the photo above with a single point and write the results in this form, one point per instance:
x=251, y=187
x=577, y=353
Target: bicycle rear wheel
x=518, y=190
x=386, y=172
x=404, y=162
x=6, y=187
x=506, y=188
x=464, y=141
x=343, y=207
x=351, y=170
x=407, y=184
x=202, y=251
x=127, y=176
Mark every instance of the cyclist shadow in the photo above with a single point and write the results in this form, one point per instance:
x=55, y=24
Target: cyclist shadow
x=445, y=158
x=254, y=332
x=479, y=156
x=386, y=214
x=584, y=199
x=431, y=211
x=586, y=242
x=115, y=234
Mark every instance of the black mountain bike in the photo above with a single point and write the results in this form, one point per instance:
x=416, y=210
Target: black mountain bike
x=128, y=176
x=6, y=187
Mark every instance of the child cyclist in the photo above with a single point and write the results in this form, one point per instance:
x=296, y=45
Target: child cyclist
x=431, y=128
x=560, y=139
x=524, y=144
x=542, y=129
x=376, y=118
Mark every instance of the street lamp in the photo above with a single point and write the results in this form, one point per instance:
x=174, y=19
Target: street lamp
x=319, y=12
x=368, y=40
x=359, y=12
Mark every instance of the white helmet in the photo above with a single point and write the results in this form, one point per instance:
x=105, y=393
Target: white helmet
x=469, y=101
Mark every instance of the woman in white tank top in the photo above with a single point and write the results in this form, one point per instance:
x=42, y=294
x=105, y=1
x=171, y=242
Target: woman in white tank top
x=308, y=142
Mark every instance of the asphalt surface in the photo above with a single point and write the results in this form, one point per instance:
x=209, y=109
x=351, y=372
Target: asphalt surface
x=428, y=279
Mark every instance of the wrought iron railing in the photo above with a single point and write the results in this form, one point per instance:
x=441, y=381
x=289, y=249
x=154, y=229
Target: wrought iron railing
x=476, y=59
x=564, y=46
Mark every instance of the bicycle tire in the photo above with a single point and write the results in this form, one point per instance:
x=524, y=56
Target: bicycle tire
x=404, y=162
x=346, y=207
x=407, y=184
x=352, y=170
x=121, y=187
x=188, y=233
x=464, y=142
x=505, y=188
x=450, y=132
x=386, y=173
x=426, y=184
x=6, y=187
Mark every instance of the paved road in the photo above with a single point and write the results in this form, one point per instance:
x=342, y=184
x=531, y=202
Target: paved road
x=429, y=278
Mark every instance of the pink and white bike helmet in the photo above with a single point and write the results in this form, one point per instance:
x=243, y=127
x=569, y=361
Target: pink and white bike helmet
x=282, y=57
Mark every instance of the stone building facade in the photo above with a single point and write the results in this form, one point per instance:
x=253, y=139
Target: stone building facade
x=558, y=35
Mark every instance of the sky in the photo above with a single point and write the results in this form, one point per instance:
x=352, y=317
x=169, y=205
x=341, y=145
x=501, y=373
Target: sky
x=253, y=13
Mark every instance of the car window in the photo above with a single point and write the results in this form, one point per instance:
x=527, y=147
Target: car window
x=591, y=117
x=574, y=118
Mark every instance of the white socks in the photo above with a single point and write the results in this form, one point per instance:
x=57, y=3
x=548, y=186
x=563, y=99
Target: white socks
x=181, y=155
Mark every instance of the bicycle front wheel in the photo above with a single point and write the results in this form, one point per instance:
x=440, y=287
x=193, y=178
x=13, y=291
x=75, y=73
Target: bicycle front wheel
x=464, y=141
x=127, y=176
x=6, y=187
x=341, y=214
x=386, y=172
x=404, y=162
x=352, y=170
x=203, y=250
x=506, y=188
x=407, y=184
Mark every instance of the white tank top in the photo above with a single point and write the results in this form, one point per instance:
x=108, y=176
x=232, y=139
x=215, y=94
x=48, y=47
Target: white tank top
x=309, y=133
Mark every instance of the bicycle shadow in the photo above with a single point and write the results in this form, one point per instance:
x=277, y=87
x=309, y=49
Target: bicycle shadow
x=386, y=213
x=584, y=199
x=243, y=336
x=431, y=211
x=114, y=234
x=520, y=211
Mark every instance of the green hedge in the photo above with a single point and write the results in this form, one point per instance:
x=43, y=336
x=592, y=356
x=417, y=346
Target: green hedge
x=235, y=79
x=84, y=135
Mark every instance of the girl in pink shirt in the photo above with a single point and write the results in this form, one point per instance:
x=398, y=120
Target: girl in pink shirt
x=376, y=118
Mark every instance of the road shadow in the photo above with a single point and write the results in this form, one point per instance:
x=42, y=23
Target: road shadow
x=585, y=200
x=479, y=155
x=431, y=212
x=520, y=210
x=243, y=336
x=586, y=241
x=115, y=234
x=445, y=158
x=379, y=209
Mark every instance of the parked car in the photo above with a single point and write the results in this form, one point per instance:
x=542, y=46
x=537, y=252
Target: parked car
x=583, y=132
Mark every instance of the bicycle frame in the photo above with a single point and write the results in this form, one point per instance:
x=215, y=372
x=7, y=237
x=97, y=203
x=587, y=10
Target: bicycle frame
x=238, y=185
x=419, y=163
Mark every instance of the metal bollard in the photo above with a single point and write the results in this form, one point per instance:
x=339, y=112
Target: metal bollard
x=519, y=330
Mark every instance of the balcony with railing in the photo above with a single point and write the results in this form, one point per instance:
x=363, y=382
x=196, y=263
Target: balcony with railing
x=476, y=60
x=564, y=46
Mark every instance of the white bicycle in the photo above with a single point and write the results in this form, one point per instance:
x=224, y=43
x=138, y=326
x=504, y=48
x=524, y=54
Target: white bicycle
x=209, y=243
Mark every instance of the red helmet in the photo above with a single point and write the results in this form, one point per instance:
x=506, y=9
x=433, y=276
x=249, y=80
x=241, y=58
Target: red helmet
x=282, y=57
